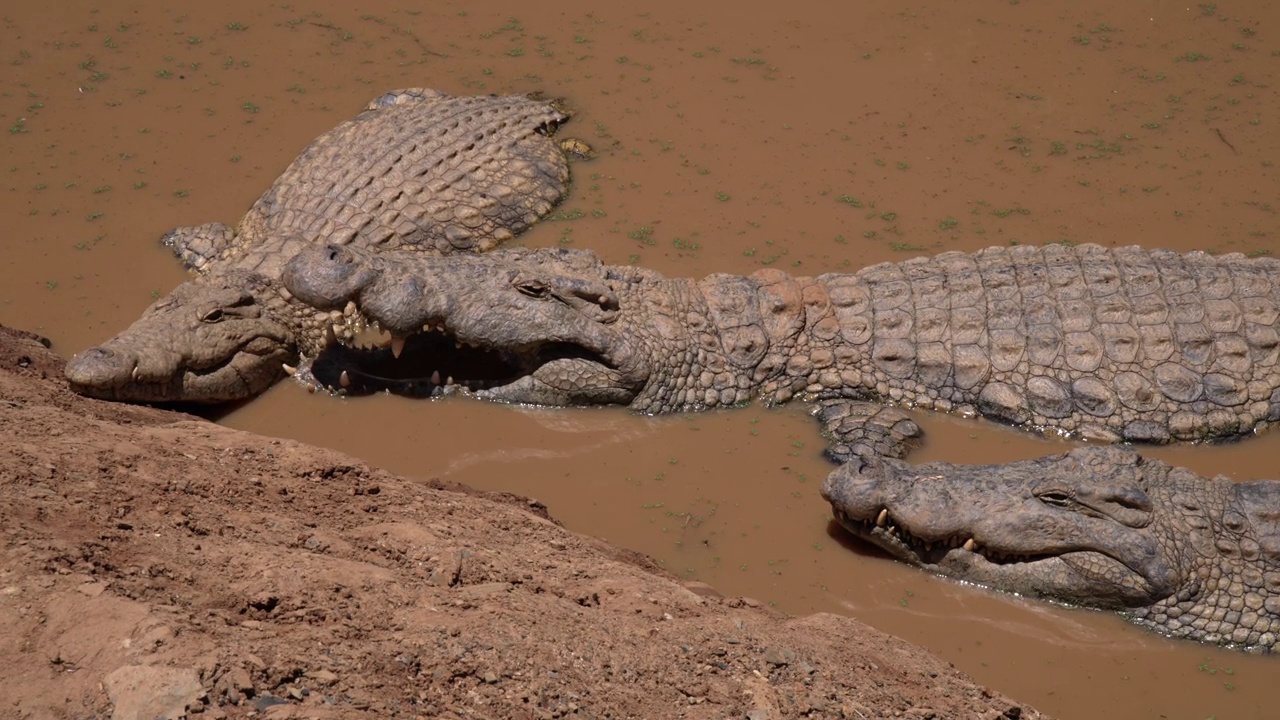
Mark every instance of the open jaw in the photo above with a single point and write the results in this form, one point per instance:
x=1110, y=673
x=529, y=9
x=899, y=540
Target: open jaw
x=518, y=326
x=435, y=362
x=430, y=363
x=1041, y=528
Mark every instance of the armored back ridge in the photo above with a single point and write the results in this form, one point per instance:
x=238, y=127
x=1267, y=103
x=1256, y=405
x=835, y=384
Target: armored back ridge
x=472, y=172
x=1110, y=344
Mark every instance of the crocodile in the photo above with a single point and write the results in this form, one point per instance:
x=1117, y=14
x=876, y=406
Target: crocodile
x=1123, y=344
x=418, y=170
x=1099, y=526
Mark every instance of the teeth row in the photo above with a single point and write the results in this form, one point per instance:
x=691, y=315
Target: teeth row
x=350, y=323
x=398, y=342
x=884, y=522
x=344, y=380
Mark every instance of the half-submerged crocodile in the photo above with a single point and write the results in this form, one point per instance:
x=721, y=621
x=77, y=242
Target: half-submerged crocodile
x=1106, y=344
x=1100, y=527
x=418, y=170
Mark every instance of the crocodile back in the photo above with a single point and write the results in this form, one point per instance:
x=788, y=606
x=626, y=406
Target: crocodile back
x=1107, y=343
x=417, y=170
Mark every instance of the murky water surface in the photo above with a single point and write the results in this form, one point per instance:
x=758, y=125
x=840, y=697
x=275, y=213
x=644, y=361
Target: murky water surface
x=806, y=136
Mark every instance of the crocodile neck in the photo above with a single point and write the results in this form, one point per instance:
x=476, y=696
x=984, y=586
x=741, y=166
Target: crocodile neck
x=728, y=339
x=1231, y=577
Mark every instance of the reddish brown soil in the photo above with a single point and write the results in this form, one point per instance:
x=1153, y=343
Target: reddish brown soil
x=157, y=565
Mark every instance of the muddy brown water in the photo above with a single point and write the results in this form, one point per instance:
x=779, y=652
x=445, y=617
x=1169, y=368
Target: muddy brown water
x=806, y=136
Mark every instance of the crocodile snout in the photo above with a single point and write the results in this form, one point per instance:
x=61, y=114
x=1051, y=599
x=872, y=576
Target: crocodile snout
x=100, y=368
x=856, y=487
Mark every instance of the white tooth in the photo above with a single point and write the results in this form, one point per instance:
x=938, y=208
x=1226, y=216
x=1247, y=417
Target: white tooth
x=448, y=380
x=435, y=377
x=882, y=518
x=329, y=336
x=135, y=372
x=344, y=380
x=970, y=545
x=397, y=345
x=290, y=370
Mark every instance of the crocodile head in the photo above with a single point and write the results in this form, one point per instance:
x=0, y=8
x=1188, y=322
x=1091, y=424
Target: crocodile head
x=520, y=326
x=1100, y=527
x=210, y=340
x=1080, y=527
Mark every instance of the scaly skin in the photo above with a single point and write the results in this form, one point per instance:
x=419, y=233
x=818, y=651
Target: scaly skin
x=417, y=171
x=1106, y=344
x=1101, y=527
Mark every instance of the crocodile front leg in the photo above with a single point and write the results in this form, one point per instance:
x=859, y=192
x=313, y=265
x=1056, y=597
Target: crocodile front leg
x=859, y=428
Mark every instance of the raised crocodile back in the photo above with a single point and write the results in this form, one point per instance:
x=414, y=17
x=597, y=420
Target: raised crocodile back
x=417, y=171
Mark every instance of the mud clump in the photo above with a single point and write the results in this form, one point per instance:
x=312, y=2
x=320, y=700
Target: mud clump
x=158, y=565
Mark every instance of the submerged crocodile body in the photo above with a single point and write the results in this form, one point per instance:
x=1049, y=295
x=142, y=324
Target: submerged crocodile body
x=419, y=170
x=1106, y=344
x=1102, y=527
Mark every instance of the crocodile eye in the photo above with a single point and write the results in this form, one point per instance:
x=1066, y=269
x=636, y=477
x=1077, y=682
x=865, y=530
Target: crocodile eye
x=213, y=316
x=532, y=288
x=1055, y=498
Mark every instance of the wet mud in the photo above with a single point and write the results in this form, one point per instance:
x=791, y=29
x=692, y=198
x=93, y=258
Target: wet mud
x=799, y=136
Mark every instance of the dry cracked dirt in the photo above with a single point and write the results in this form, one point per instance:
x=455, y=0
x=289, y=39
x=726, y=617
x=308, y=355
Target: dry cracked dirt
x=156, y=565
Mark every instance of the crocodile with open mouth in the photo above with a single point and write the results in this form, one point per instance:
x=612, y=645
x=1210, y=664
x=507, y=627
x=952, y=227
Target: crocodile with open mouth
x=1123, y=344
x=418, y=170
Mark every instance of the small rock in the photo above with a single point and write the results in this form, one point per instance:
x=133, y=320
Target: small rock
x=324, y=677
x=476, y=592
x=490, y=677
x=152, y=692
x=263, y=702
x=240, y=680
x=777, y=657
x=92, y=589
